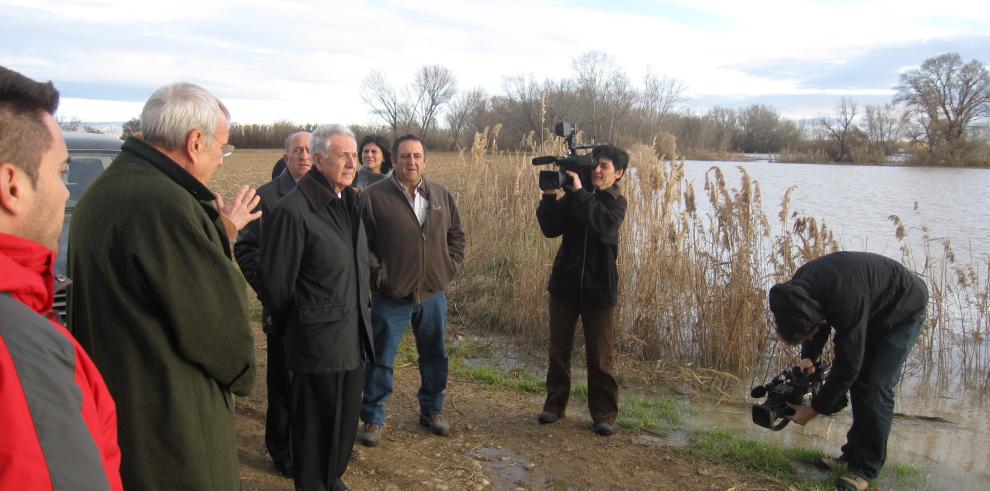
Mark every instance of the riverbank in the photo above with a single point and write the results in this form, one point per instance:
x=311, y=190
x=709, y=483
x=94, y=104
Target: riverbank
x=498, y=444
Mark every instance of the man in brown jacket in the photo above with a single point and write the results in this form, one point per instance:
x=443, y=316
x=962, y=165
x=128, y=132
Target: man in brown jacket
x=415, y=246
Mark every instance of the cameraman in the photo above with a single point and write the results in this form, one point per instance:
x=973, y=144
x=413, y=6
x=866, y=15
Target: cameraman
x=584, y=282
x=877, y=308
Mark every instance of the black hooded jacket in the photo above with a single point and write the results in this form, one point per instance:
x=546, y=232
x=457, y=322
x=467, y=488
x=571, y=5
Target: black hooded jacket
x=863, y=296
x=584, y=269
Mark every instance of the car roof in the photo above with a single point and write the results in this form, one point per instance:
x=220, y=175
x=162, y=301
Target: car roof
x=80, y=140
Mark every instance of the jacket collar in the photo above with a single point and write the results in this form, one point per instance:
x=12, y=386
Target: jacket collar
x=285, y=183
x=423, y=187
x=168, y=167
x=612, y=191
x=318, y=192
x=26, y=272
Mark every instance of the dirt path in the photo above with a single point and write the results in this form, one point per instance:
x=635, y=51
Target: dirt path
x=496, y=443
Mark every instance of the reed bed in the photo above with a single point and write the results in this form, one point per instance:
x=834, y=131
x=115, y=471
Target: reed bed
x=692, y=286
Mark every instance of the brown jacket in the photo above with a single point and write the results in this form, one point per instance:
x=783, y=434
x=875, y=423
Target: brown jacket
x=409, y=262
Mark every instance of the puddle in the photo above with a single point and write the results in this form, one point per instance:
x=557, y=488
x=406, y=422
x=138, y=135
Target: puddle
x=674, y=439
x=509, y=471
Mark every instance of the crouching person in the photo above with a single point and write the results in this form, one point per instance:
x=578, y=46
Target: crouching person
x=584, y=282
x=876, y=307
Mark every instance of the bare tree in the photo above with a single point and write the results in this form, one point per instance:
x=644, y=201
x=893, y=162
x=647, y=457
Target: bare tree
x=661, y=95
x=945, y=98
x=383, y=100
x=463, y=109
x=840, y=128
x=434, y=87
x=882, y=125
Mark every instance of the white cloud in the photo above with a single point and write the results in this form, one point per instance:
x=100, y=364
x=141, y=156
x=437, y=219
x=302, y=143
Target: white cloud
x=304, y=60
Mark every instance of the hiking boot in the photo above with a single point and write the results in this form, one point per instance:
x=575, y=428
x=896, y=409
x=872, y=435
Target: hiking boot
x=547, y=417
x=436, y=423
x=369, y=434
x=851, y=481
x=831, y=463
x=605, y=429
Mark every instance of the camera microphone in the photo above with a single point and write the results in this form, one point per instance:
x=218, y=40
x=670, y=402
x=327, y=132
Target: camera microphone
x=544, y=160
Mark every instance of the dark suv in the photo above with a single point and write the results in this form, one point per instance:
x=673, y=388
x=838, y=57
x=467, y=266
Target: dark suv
x=89, y=154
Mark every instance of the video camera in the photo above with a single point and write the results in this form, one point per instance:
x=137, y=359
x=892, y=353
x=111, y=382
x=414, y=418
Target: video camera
x=581, y=164
x=791, y=386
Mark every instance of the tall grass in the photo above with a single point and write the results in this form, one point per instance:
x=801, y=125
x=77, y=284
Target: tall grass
x=692, y=285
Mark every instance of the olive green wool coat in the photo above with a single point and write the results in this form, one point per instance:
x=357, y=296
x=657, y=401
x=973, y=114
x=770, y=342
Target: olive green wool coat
x=161, y=309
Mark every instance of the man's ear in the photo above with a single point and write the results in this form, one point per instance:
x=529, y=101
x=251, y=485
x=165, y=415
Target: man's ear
x=12, y=188
x=195, y=144
x=619, y=174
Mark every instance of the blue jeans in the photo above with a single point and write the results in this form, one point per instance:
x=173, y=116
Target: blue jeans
x=389, y=319
x=872, y=396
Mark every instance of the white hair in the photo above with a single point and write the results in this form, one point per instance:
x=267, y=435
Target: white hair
x=176, y=109
x=320, y=141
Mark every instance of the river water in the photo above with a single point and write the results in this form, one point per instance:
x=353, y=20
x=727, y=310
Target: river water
x=855, y=202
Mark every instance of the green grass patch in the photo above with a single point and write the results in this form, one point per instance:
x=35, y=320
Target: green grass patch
x=721, y=445
x=518, y=380
x=663, y=415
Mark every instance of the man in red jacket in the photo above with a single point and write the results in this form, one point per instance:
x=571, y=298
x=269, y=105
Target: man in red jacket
x=58, y=423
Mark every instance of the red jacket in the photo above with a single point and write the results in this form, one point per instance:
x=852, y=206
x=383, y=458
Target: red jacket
x=58, y=423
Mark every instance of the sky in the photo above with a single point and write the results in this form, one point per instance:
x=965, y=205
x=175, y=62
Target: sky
x=304, y=61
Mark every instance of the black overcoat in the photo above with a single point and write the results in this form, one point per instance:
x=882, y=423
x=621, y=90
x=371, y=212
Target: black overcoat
x=314, y=269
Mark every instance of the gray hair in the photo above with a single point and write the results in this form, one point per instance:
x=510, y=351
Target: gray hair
x=288, y=140
x=177, y=109
x=319, y=143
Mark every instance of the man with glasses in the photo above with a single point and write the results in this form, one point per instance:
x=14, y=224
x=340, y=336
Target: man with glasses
x=157, y=301
x=247, y=250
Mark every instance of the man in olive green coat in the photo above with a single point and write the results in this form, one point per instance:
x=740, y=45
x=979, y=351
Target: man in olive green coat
x=156, y=300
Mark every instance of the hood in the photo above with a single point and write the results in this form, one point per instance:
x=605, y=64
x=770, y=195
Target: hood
x=793, y=308
x=26, y=272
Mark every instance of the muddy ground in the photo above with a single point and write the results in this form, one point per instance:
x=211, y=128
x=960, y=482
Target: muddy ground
x=496, y=443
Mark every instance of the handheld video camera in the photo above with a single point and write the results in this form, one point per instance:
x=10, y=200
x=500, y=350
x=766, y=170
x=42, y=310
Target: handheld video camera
x=791, y=386
x=581, y=164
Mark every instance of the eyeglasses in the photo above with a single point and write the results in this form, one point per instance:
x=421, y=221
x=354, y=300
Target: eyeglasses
x=227, y=150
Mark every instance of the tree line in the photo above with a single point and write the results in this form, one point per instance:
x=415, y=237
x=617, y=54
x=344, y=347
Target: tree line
x=938, y=116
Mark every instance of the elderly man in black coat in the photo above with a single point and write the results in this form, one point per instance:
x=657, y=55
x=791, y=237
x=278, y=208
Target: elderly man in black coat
x=314, y=268
x=877, y=308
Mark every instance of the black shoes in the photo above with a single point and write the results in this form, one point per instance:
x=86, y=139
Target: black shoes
x=284, y=468
x=547, y=417
x=436, y=423
x=605, y=429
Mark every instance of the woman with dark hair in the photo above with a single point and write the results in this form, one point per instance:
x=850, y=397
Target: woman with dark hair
x=376, y=161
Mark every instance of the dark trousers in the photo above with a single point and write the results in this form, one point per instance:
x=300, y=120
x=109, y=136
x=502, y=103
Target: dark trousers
x=279, y=393
x=324, y=425
x=599, y=337
x=872, y=396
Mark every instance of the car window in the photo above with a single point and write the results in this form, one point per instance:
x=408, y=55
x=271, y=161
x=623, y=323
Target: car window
x=83, y=170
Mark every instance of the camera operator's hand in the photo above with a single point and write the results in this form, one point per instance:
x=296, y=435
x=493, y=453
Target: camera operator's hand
x=575, y=181
x=807, y=366
x=802, y=414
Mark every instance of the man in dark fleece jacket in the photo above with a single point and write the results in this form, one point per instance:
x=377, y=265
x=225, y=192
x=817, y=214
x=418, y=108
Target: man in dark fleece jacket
x=877, y=308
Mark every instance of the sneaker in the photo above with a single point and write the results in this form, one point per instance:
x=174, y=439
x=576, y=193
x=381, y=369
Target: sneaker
x=369, y=434
x=831, y=463
x=547, y=417
x=436, y=423
x=851, y=481
x=605, y=429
